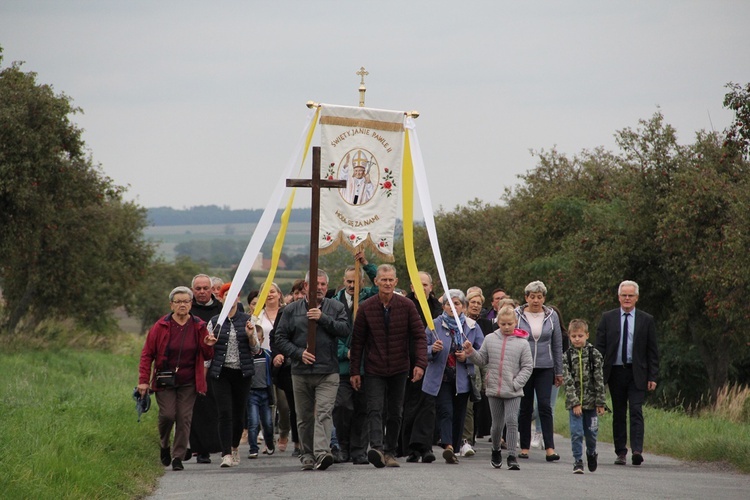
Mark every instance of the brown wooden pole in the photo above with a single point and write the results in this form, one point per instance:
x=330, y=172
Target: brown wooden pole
x=312, y=286
x=316, y=184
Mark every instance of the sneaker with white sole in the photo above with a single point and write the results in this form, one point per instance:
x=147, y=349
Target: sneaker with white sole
x=235, y=458
x=536, y=440
x=466, y=450
x=226, y=461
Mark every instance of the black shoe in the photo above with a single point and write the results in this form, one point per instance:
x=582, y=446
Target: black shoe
x=324, y=461
x=188, y=455
x=637, y=459
x=620, y=460
x=578, y=467
x=166, y=458
x=513, y=463
x=552, y=458
x=497, y=459
x=428, y=457
x=591, y=461
x=376, y=458
x=296, y=452
x=336, y=456
x=203, y=458
x=360, y=460
x=344, y=456
x=413, y=457
x=177, y=464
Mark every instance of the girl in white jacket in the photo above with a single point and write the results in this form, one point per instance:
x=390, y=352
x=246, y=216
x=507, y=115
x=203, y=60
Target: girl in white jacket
x=507, y=354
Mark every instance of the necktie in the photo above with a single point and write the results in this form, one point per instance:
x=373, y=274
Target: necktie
x=625, y=339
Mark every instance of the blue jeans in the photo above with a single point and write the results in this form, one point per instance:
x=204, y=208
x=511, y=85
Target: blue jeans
x=259, y=413
x=586, y=425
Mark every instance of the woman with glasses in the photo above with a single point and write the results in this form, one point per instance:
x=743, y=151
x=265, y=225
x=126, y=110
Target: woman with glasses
x=172, y=366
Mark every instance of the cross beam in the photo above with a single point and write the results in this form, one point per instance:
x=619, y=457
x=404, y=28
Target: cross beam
x=316, y=183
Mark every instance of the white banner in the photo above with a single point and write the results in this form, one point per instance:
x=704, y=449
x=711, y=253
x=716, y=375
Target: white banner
x=363, y=146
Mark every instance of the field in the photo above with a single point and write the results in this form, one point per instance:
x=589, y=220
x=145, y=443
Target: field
x=296, y=241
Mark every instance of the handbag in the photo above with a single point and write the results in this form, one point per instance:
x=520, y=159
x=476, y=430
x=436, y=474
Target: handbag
x=166, y=379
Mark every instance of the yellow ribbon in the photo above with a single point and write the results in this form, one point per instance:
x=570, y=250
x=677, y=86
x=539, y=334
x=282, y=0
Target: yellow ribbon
x=407, y=183
x=279, y=243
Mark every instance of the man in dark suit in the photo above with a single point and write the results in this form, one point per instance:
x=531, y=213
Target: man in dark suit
x=626, y=337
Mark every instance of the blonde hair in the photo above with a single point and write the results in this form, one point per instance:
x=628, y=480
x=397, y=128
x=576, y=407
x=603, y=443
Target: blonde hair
x=507, y=311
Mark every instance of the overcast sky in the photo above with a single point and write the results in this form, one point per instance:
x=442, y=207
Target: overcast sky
x=197, y=102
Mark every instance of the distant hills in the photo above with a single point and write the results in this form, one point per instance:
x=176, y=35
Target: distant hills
x=214, y=214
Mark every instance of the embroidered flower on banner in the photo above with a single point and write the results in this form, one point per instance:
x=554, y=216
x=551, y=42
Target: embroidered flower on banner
x=327, y=236
x=354, y=239
x=383, y=243
x=331, y=172
x=388, y=183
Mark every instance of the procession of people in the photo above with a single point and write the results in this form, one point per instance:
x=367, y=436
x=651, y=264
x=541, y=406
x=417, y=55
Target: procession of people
x=345, y=397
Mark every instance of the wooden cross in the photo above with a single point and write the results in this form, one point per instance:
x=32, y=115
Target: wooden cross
x=316, y=183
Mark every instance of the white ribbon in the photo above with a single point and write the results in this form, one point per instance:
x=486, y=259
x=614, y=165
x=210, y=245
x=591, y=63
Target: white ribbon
x=264, y=224
x=420, y=181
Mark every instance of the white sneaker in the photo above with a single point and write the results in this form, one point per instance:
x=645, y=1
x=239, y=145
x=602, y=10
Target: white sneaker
x=235, y=458
x=466, y=450
x=536, y=440
x=226, y=461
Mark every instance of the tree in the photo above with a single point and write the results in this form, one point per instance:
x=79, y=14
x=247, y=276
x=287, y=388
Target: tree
x=71, y=246
x=673, y=218
x=150, y=297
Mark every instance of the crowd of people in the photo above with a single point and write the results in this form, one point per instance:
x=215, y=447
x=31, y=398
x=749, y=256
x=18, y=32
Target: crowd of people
x=371, y=382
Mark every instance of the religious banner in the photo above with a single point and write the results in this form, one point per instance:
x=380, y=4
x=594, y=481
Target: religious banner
x=364, y=147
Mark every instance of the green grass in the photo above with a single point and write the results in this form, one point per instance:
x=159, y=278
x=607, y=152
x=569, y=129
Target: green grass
x=704, y=438
x=69, y=427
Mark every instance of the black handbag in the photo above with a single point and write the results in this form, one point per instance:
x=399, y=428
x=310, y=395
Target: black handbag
x=166, y=379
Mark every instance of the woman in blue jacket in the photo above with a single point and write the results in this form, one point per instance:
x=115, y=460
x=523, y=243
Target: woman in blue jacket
x=448, y=370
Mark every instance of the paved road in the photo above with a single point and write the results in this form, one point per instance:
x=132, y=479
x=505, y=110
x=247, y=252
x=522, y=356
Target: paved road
x=279, y=476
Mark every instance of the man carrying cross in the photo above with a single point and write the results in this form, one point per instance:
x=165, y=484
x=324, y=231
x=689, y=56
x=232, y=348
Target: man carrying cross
x=315, y=372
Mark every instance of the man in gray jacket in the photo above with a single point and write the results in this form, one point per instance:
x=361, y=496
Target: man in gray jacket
x=315, y=377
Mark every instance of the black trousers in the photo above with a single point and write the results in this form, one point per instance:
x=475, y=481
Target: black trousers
x=284, y=382
x=350, y=419
x=230, y=392
x=391, y=391
x=624, y=393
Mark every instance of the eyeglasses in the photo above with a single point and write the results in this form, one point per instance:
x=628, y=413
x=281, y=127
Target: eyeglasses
x=627, y=296
x=185, y=302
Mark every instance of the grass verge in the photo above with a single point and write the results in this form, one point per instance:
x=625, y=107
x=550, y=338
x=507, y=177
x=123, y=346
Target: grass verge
x=709, y=437
x=69, y=426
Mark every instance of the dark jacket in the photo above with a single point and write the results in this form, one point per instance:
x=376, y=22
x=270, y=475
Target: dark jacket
x=290, y=336
x=645, y=350
x=206, y=312
x=155, y=347
x=220, y=348
x=386, y=349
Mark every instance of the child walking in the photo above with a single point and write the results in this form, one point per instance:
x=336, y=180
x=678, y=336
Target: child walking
x=584, y=393
x=259, y=403
x=507, y=354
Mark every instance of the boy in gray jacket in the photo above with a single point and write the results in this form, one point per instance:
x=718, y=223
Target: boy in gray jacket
x=584, y=393
x=507, y=354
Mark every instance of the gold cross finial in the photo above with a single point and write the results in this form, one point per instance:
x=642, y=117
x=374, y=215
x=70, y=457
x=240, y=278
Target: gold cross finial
x=362, y=73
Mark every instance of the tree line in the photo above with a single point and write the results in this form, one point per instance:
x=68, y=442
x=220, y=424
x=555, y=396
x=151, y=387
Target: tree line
x=670, y=216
